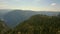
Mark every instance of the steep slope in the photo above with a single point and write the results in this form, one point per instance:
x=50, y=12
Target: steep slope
x=14, y=17
x=39, y=24
x=3, y=27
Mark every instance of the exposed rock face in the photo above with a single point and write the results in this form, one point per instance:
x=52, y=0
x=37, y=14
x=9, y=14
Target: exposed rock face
x=3, y=27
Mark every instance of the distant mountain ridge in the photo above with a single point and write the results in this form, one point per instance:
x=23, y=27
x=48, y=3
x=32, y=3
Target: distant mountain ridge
x=14, y=17
x=3, y=12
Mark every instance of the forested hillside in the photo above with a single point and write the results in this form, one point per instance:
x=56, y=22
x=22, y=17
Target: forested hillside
x=39, y=24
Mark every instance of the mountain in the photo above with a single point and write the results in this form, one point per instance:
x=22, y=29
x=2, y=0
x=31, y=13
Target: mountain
x=14, y=17
x=3, y=27
x=39, y=24
x=3, y=12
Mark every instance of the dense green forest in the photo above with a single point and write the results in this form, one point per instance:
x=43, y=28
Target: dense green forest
x=37, y=24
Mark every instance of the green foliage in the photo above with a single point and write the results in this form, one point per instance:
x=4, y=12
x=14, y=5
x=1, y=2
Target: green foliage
x=38, y=24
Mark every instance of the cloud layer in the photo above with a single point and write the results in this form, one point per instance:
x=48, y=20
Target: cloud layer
x=42, y=5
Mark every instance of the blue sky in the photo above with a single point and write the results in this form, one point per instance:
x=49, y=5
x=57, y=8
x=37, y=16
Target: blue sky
x=35, y=5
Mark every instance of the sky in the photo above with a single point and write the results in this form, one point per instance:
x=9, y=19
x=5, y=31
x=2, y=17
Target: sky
x=35, y=5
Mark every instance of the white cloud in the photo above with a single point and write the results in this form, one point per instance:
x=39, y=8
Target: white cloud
x=53, y=4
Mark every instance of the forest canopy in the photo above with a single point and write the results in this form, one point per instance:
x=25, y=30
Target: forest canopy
x=37, y=24
x=40, y=24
